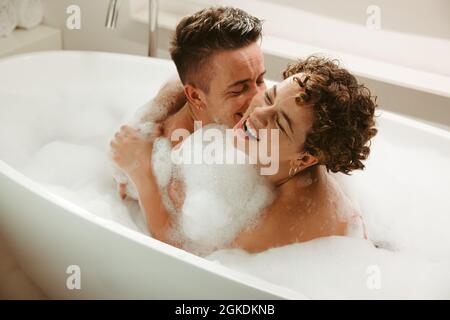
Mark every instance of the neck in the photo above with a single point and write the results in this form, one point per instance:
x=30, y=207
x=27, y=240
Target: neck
x=304, y=178
x=186, y=117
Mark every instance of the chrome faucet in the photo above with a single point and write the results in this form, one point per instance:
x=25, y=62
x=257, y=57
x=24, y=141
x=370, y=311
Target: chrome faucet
x=113, y=13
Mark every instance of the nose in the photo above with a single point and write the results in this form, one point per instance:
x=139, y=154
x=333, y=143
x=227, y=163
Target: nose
x=263, y=87
x=252, y=92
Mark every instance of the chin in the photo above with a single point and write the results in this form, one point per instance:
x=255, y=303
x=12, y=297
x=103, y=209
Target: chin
x=236, y=118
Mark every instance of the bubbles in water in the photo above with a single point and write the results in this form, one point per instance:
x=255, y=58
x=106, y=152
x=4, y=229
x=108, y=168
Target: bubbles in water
x=340, y=268
x=220, y=199
x=62, y=141
x=161, y=162
x=404, y=201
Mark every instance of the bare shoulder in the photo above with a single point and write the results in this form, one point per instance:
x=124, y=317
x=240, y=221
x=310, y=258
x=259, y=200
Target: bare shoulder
x=266, y=233
x=300, y=213
x=256, y=238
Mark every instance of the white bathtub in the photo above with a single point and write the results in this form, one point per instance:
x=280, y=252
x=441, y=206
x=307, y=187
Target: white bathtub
x=49, y=233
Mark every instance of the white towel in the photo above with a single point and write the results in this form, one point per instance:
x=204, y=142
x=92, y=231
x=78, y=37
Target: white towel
x=30, y=13
x=8, y=18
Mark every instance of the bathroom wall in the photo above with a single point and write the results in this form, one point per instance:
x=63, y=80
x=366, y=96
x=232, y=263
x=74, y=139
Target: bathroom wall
x=129, y=37
x=338, y=25
x=92, y=35
x=418, y=25
x=413, y=34
x=427, y=18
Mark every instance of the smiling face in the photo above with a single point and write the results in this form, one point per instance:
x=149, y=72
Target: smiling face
x=322, y=114
x=220, y=63
x=278, y=109
x=237, y=76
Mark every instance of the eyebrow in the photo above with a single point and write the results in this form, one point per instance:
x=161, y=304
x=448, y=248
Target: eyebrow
x=287, y=120
x=244, y=80
x=285, y=116
x=271, y=94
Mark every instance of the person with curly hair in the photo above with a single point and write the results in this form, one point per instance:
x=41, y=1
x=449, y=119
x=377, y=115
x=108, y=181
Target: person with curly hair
x=325, y=121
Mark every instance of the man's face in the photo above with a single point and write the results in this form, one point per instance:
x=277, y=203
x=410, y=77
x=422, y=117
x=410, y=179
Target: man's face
x=236, y=77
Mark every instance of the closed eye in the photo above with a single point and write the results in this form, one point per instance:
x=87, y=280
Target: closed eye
x=277, y=121
x=286, y=120
x=236, y=93
x=268, y=99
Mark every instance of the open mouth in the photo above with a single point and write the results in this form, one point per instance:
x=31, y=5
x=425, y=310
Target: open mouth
x=250, y=131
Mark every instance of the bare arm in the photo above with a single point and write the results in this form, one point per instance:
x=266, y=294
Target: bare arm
x=131, y=153
x=172, y=93
x=170, y=97
x=159, y=221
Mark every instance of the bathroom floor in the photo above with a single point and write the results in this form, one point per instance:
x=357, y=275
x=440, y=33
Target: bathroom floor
x=14, y=283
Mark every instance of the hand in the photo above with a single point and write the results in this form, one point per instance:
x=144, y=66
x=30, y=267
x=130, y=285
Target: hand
x=131, y=152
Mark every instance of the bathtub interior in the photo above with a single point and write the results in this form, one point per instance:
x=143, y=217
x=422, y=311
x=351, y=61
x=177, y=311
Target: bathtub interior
x=58, y=116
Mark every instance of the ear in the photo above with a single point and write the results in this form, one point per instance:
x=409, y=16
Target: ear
x=303, y=160
x=195, y=96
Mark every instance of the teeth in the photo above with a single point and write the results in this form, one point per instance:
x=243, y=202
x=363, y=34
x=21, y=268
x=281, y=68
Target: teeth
x=252, y=132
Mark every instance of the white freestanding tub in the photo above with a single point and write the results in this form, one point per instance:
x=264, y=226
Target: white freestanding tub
x=50, y=233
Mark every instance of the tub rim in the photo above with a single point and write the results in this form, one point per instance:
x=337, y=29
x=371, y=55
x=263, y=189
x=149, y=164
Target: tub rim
x=145, y=240
x=119, y=229
x=404, y=119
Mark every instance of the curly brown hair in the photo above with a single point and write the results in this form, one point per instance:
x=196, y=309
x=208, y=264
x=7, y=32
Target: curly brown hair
x=344, y=112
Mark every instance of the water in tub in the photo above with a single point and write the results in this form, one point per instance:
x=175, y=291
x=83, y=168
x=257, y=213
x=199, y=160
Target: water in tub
x=67, y=151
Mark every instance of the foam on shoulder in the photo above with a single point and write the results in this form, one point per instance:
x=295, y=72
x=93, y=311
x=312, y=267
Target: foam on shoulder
x=220, y=199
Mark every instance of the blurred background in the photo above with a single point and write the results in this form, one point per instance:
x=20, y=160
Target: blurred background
x=400, y=49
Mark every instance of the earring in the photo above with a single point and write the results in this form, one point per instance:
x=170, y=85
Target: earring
x=293, y=171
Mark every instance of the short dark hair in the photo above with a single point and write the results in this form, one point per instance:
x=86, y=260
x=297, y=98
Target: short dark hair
x=344, y=113
x=199, y=36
